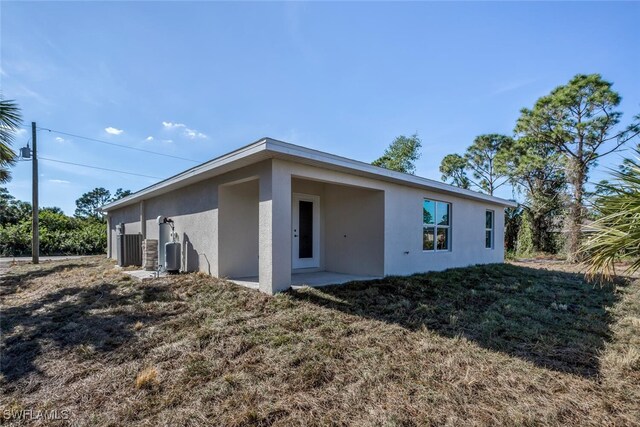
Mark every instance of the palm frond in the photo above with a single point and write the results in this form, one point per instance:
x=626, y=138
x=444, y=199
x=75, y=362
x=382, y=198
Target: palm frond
x=10, y=120
x=618, y=230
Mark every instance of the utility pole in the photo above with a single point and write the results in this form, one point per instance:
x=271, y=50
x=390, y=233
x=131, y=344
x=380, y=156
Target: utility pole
x=35, y=231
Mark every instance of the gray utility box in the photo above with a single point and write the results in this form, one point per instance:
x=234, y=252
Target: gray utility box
x=172, y=257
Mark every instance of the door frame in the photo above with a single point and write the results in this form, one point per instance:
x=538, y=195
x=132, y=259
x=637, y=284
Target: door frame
x=297, y=262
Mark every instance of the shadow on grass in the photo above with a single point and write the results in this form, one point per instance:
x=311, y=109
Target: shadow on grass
x=10, y=282
x=554, y=319
x=93, y=319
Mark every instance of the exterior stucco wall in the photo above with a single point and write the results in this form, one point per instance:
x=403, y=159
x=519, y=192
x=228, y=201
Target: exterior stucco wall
x=403, y=224
x=194, y=210
x=403, y=233
x=351, y=227
x=238, y=217
x=382, y=222
x=354, y=230
x=275, y=228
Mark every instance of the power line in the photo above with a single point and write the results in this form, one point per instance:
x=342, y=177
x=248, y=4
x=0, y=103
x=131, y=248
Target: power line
x=119, y=145
x=97, y=167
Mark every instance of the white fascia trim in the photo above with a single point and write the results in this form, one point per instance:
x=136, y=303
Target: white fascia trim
x=247, y=150
x=296, y=151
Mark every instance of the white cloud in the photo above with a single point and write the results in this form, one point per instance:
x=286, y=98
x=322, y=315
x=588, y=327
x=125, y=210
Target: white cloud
x=194, y=134
x=167, y=141
x=187, y=132
x=60, y=140
x=149, y=138
x=59, y=181
x=18, y=133
x=171, y=125
x=113, y=131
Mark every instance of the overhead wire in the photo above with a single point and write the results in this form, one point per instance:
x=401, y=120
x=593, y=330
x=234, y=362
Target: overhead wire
x=97, y=167
x=118, y=145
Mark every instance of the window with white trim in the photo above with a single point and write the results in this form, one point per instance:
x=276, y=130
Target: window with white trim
x=488, y=229
x=436, y=225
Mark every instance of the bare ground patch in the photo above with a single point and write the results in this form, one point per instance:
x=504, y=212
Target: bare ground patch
x=501, y=344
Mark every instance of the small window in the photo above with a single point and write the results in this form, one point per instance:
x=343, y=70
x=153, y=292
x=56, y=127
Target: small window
x=488, y=230
x=436, y=226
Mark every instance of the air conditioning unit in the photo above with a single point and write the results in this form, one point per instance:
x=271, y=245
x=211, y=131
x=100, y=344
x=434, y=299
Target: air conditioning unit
x=129, y=249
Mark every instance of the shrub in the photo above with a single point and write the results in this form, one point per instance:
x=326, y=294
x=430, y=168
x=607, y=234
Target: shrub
x=524, y=247
x=59, y=235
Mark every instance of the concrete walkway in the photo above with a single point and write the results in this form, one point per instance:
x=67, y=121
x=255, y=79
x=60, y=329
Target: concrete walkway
x=142, y=274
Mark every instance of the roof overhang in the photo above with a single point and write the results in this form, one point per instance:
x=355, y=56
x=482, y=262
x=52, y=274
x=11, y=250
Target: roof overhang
x=267, y=148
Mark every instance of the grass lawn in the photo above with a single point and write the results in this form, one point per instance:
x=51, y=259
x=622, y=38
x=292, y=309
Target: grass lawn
x=511, y=344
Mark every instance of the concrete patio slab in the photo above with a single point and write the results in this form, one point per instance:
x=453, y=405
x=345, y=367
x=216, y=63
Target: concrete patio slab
x=315, y=279
x=142, y=274
x=247, y=282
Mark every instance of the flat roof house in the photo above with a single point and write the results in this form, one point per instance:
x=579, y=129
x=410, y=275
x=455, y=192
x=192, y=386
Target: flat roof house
x=274, y=214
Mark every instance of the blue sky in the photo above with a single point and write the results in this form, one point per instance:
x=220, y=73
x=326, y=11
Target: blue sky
x=197, y=80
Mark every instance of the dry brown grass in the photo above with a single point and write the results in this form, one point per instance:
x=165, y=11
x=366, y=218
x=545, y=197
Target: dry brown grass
x=147, y=378
x=475, y=346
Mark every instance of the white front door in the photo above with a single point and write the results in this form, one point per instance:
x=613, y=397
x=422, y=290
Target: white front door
x=305, y=234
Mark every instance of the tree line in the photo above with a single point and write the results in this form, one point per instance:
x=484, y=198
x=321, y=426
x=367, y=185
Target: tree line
x=82, y=234
x=547, y=160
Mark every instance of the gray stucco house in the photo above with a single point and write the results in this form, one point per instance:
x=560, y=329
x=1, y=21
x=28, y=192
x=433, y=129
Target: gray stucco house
x=272, y=214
